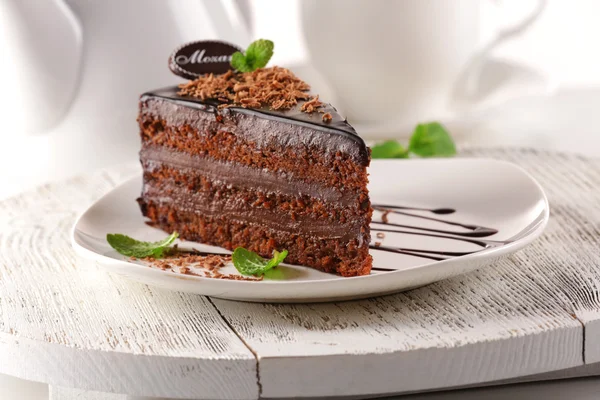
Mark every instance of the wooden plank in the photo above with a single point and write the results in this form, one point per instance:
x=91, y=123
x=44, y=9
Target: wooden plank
x=65, y=322
x=525, y=315
x=466, y=330
x=567, y=255
x=580, y=389
x=581, y=371
x=60, y=393
x=538, y=385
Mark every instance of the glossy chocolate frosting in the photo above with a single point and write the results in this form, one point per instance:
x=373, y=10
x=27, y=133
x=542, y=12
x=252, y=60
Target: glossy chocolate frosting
x=291, y=126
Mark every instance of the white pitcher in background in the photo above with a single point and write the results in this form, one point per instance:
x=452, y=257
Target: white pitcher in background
x=81, y=57
x=404, y=61
x=72, y=72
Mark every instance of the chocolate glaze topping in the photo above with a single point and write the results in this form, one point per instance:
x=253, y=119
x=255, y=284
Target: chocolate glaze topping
x=337, y=134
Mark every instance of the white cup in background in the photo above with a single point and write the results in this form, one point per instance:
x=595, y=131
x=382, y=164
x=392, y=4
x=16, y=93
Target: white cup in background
x=392, y=64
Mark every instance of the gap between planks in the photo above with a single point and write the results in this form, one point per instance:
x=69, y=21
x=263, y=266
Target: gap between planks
x=226, y=321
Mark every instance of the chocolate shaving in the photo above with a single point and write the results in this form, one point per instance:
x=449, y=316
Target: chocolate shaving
x=384, y=216
x=182, y=262
x=311, y=105
x=327, y=117
x=277, y=88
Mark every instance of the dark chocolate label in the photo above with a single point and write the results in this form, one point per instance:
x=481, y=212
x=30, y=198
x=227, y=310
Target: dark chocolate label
x=203, y=57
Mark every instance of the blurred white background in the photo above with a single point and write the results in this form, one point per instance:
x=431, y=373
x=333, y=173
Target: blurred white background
x=561, y=42
x=561, y=46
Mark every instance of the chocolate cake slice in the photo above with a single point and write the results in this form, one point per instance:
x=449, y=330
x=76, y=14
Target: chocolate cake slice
x=231, y=175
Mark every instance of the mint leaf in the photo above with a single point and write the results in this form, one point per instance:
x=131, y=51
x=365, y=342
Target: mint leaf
x=134, y=248
x=431, y=140
x=259, y=53
x=389, y=149
x=238, y=61
x=249, y=263
x=257, y=56
x=275, y=274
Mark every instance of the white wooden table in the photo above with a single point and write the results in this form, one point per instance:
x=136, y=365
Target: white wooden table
x=86, y=333
x=69, y=324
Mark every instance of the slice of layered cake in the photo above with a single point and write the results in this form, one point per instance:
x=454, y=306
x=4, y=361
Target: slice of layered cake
x=252, y=160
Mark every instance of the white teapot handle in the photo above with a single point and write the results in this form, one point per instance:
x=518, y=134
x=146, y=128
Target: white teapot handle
x=475, y=86
x=41, y=43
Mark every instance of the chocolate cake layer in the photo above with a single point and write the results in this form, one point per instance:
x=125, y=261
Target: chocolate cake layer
x=223, y=143
x=345, y=257
x=153, y=157
x=166, y=181
x=237, y=209
x=290, y=213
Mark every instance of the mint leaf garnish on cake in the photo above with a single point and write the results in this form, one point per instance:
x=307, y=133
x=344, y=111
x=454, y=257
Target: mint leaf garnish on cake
x=427, y=140
x=257, y=56
x=249, y=263
x=131, y=247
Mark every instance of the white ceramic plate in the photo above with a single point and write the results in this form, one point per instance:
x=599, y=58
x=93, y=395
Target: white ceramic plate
x=484, y=193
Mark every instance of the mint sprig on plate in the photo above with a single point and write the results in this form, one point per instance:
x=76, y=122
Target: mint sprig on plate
x=245, y=261
x=249, y=263
x=427, y=140
x=131, y=247
x=257, y=55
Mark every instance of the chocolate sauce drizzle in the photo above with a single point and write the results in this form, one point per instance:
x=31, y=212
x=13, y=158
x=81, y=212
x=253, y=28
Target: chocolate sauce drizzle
x=471, y=233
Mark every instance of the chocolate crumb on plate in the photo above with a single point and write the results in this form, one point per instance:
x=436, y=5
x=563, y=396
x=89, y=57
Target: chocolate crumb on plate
x=384, y=217
x=182, y=262
x=327, y=117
